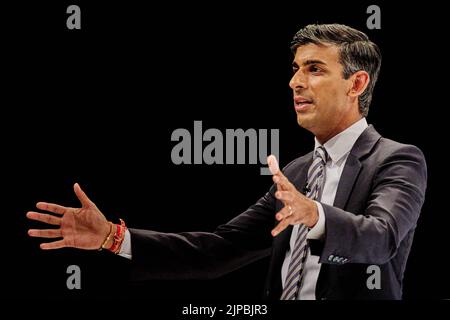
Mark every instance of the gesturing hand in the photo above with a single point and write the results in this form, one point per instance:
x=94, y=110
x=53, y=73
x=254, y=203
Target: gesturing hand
x=82, y=228
x=297, y=208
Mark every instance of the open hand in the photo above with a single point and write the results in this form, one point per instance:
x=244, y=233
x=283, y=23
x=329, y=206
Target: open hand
x=82, y=228
x=297, y=207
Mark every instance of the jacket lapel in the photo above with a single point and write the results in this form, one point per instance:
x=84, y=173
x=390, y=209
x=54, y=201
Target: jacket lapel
x=362, y=147
x=350, y=172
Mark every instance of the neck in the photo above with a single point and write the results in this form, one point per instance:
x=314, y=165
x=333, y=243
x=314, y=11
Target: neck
x=323, y=137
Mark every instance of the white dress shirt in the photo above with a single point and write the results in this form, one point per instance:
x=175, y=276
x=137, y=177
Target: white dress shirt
x=125, y=249
x=338, y=149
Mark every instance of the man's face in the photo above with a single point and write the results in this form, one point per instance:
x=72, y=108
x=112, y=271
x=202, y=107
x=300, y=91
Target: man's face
x=320, y=92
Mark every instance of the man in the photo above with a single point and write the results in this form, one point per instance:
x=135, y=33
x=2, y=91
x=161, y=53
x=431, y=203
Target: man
x=332, y=216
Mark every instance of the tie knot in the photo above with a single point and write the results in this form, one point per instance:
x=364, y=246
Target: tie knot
x=321, y=153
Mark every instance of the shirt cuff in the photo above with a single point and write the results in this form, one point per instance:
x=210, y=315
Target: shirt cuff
x=318, y=231
x=125, y=249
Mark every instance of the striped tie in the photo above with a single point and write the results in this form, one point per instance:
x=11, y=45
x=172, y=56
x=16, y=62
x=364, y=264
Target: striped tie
x=316, y=179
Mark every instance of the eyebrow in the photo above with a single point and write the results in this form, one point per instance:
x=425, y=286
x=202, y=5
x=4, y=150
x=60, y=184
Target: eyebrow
x=309, y=62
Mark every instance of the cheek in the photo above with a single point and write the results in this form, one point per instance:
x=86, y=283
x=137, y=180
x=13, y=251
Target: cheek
x=328, y=93
x=324, y=92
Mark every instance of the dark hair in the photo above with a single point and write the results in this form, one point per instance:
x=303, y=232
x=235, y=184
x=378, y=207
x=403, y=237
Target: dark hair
x=356, y=52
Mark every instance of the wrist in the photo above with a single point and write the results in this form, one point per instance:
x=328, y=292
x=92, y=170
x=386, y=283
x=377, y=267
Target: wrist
x=108, y=235
x=314, y=214
x=110, y=240
x=119, y=235
x=113, y=242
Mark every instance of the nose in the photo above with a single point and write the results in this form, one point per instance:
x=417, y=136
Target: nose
x=298, y=81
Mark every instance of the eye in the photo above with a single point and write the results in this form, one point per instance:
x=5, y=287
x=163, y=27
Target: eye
x=315, y=68
x=294, y=69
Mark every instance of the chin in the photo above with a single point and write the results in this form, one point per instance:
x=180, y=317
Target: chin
x=304, y=121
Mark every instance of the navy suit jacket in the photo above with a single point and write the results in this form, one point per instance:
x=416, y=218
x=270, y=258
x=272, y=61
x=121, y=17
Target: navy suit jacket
x=372, y=222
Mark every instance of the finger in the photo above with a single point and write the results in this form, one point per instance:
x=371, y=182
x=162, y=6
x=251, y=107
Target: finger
x=53, y=245
x=85, y=201
x=281, y=180
x=46, y=233
x=278, y=187
x=55, y=208
x=284, y=182
x=284, y=213
x=43, y=217
x=273, y=164
x=286, y=196
x=276, y=180
x=281, y=226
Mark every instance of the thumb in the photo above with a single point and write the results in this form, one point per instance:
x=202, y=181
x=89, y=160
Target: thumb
x=273, y=164
x=85, y=201
x=279, y=178
x=275, y=170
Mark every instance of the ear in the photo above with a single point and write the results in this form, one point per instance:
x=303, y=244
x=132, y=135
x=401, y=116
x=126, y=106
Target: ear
x=359, y=82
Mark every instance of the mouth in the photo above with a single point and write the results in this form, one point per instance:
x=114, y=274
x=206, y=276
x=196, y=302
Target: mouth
x=302, y=103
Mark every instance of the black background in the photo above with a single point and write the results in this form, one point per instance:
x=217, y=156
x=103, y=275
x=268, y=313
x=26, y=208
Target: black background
x=98, y=105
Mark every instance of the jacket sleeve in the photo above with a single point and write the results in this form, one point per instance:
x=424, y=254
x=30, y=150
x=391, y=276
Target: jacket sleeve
x=373, y=236
x=203, y=255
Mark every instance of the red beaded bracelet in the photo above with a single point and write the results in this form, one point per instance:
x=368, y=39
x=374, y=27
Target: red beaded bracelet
x=119, y=235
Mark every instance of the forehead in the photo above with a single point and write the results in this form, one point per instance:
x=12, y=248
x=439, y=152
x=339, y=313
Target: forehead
x=327, y=53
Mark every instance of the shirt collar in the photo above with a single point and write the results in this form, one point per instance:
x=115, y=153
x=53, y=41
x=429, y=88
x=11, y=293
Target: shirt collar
x=341, y=144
